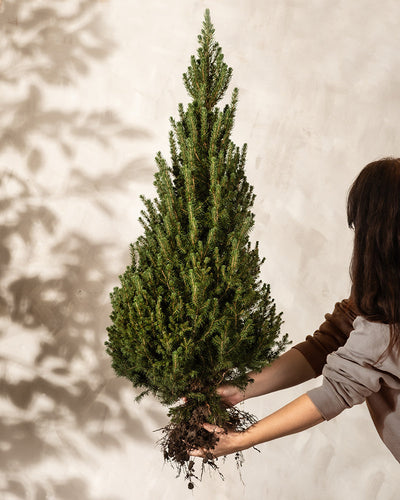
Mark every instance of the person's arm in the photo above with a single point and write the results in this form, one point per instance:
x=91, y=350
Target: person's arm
x=302, y=362
x=331, y=335
x=291, y=368
x=296, y=416
x=350, y=375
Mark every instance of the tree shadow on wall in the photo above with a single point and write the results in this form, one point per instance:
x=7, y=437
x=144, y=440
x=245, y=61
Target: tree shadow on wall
x=71, y=388
x=65, y=402
x=48, y=49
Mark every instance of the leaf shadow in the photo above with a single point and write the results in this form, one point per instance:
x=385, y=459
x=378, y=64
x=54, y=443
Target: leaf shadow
x=59, y=387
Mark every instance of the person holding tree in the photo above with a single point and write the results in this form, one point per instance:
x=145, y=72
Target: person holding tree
x=357, y=348
x=191, y=319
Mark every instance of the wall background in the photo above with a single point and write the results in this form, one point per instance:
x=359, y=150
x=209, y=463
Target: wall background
x=86, y=90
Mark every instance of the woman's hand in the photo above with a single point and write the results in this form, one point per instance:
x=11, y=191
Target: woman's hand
x=296, y=416
x=229, y=442
x=230, y=394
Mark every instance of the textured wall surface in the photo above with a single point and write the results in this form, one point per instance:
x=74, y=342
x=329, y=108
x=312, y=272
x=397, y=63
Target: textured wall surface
x=86, y=91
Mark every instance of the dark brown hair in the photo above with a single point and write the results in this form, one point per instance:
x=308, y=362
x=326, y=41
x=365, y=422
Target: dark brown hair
x=373, y=211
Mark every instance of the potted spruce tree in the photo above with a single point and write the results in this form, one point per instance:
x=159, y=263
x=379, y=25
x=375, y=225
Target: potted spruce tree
x=190, y=312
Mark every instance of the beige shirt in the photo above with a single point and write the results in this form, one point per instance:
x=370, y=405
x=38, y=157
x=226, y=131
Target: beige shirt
x=354, y=374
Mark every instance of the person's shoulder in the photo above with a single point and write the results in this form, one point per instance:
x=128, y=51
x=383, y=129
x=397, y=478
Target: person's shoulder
x=368, y=327
x=370, y=336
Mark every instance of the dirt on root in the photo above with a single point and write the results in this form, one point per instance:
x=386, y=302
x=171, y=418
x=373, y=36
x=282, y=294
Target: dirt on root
x=180, y=438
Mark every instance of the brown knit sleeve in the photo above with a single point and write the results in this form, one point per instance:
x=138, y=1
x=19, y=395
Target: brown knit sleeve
x=331, y=335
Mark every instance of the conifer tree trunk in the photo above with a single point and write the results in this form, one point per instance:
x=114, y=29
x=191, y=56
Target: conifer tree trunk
x=190, y=312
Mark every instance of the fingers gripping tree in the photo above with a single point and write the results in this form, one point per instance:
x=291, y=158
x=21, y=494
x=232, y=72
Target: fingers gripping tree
x=191, y=313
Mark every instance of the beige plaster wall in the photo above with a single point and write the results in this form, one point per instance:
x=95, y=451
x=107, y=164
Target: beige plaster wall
x=86, y=91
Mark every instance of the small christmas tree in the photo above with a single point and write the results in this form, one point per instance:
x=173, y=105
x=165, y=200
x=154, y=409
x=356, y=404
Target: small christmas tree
x=190, y=313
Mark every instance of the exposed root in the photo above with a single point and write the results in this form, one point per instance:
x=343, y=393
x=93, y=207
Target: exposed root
x=180, y=437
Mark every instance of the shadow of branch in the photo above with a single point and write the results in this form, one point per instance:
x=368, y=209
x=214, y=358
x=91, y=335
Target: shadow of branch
x=60, y=388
